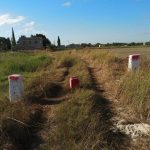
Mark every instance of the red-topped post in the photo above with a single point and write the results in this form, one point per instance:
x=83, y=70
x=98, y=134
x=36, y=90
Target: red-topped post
x=16, y=89
x=134, y=62
x=74, y=83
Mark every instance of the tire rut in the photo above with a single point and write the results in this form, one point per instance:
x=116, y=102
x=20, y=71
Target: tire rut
x=115, y=139
x=27, y=136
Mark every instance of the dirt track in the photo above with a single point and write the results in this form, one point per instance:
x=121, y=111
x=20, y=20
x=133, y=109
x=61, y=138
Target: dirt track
x=111, y=135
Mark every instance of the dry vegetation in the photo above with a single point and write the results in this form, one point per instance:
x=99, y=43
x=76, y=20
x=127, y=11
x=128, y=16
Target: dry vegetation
x=129, y=88
x=128, y=92
x=53, y=117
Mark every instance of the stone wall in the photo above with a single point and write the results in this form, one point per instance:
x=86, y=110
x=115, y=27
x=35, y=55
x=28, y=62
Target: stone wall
x=32, y=43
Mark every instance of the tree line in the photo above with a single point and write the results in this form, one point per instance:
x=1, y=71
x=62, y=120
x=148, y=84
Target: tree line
x=7, y=44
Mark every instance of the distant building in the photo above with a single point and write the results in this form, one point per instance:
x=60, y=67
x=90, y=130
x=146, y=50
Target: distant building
x=29, y=43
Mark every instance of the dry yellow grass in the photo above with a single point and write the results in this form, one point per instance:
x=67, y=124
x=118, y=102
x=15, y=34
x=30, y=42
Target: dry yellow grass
x=83, y=120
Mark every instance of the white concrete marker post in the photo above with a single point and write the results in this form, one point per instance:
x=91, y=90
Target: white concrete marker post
x=134, y=62
x=16, y=89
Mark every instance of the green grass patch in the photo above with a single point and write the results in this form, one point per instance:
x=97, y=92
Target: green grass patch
x=25, y=64
x=20, y=63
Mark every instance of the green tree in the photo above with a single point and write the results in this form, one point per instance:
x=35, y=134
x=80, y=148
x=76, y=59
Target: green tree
x=5, y=44
x=8, y=42
x=13, y=40
x=58, y=42
x=147, y=43
x=46, y=41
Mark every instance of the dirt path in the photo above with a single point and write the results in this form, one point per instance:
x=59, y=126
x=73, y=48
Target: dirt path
x=34, y=132
x=47, y=107
x=120, y=133
x=114, y=138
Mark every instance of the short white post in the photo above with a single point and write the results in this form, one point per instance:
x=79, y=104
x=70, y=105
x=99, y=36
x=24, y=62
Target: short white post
x=16, y=89
x=134, y=62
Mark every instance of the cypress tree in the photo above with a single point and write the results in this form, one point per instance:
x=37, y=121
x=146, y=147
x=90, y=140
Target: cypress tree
x=58, y=42
x=8, y=44
x=13, y=40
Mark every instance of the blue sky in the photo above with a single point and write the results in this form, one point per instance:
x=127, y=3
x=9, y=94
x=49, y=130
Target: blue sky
x=77, y=21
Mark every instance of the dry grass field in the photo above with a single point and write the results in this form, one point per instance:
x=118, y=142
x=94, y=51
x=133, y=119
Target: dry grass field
x=124, y=52
x=53, y=117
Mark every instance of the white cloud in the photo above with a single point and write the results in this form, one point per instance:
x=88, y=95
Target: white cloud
x=29, y=27
x=7, y=19
x=67, y=4
x=21, y=24
x=29, y=24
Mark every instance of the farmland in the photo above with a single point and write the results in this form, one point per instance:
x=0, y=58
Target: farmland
x=51, y=116
x=124, y=52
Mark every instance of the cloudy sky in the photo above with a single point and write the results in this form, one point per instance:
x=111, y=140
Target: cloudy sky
x=77, y=21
